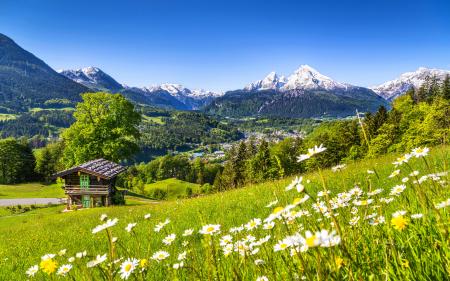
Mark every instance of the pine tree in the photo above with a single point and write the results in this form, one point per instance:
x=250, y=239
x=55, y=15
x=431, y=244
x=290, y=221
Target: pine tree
x=199, y=170
x=379, y=119
x=238, y=165
x=261, y=164
x=422, y=93
x=251, y=147
x=434, y=88
x=44, y=165
x=445, y=88
x=412, y=93
x=218, y=184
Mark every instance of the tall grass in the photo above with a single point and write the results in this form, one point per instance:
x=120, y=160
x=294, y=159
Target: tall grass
x=353, y=224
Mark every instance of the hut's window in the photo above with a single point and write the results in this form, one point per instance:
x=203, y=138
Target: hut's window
x=84, y=181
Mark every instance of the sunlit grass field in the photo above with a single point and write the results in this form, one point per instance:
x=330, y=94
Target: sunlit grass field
x=174, y=188
x=375, y=231
x=6, y=116
x=155, y=119
x=31, y=190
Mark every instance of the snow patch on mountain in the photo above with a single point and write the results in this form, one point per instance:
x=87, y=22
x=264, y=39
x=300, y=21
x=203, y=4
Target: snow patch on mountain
x=178, y=90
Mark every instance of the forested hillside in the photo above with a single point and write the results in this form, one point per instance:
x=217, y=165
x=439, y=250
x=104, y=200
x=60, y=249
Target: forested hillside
x=296, y=103
x=27, y=81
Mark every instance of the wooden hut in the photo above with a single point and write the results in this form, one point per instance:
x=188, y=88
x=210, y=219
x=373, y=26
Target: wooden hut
x=91, y=184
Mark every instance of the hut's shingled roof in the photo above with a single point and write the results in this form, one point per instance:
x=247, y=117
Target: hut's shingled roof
x=98, y=167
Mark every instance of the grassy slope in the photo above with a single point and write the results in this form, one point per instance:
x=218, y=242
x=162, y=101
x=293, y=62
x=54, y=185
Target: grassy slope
x=176, y=188
x=31, y=190
x=157, y=120
x=5, y=116
x=30, y=236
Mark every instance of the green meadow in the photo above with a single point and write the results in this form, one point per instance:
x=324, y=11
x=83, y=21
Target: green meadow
x=172, y=188
x=376, y=234
x=31, y=190
x=7, y=116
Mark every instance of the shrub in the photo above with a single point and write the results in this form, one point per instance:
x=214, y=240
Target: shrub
x=118, y=199
x=189, y=191
x=206, y=188
x=159, y=194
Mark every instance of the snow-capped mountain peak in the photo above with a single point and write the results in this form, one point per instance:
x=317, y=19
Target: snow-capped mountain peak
x=92, y=77
x=304, y=78
x=90, y=70
x=307, y=78
x=271, y=82
x=394, y=88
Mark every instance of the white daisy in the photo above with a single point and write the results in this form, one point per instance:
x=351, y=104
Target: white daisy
x=311, y=152
x=178, y=265
x=130, y=227
x=252, y=224
x=127, y=267
x=182, y=256
x=210, y=229
x=416, y=216
x=297, y=184
x=339, y=167
x=32, y=270
x=420, y=152
x=160, y=255
x=396, y=190
x=394, y=173
x=98, y=260
x=169, y=239
x=64, y=269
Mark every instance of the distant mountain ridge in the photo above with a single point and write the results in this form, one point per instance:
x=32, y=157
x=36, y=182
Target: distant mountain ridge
x=170, y=96
x=164, y=95
x=394, y=88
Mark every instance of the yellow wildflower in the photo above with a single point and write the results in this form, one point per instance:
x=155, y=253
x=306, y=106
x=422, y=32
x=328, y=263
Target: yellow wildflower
x=399, y=222
x=277, y=210
x=143, y=263
x=48, y=266
x=339, y=262
x=405, y=263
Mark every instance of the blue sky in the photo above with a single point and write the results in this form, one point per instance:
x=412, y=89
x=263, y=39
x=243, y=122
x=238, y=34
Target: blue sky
x=222, y=45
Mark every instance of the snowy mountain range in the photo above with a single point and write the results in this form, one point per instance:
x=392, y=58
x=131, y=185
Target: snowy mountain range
x=180, y=91
x=164, y=95
x=273, y=95
x=305, y=93
x=305, y=81
x=394, y=88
